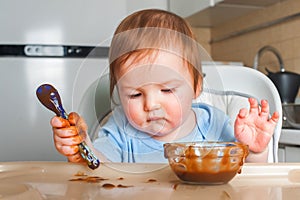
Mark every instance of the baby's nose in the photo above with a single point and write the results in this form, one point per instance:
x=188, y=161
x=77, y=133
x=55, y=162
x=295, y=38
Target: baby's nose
x=151, y=102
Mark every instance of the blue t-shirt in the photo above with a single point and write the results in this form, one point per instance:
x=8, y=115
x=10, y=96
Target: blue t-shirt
x=121, y=142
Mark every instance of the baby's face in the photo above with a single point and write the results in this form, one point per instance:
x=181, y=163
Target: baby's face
x=157, y=95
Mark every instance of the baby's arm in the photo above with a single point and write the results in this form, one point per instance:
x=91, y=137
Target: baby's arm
x=68, y=134
x=255, y=128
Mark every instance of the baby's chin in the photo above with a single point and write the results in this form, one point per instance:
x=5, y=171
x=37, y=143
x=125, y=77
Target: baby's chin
x=158, y=128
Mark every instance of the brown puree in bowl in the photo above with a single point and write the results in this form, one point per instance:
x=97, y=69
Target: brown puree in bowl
x=209, y=168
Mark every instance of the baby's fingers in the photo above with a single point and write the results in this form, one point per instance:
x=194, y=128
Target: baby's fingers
x=240, y=120
x=67, y=145
x=74, y=118
x=67, y=150
x=243, y=113
x=79, y=123
x=70, y=141
x=254, y=107
x=58, y=122
x=265, y=110
x=76, y=158
x=65, y=132
x=275, y=117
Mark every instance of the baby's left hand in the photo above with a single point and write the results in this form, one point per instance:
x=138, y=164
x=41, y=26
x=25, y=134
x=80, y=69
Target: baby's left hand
x=254, y=127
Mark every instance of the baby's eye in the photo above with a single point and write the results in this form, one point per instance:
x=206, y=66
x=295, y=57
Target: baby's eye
x=132, y=96
x=168, y=90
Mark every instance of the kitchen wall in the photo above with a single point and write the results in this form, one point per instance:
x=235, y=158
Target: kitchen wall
x=203, y=36
x=284, y=36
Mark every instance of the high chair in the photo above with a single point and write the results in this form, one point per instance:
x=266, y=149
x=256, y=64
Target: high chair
x=226, y=87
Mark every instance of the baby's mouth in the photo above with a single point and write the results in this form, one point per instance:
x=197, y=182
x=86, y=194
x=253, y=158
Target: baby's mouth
x=155, y=124
x=156, y=115
x=154, y=119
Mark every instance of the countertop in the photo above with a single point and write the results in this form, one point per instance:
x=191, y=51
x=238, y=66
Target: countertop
x=62, y=180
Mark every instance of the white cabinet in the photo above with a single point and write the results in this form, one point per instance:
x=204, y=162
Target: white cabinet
x=185, y=8
x=56, y=22
x=134, y=5
x=289, y=146
x=211, y=13
x=182, y=8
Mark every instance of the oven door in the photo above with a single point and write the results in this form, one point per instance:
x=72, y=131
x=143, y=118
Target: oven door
x=289, y=145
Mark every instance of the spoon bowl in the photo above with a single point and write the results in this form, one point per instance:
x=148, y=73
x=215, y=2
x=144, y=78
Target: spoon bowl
x=50, y=98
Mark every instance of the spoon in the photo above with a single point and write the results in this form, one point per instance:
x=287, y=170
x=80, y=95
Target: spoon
x=50, y=98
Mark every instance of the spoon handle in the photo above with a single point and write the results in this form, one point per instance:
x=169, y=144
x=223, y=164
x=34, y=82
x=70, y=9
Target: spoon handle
x=86, y=153
x=54, y=100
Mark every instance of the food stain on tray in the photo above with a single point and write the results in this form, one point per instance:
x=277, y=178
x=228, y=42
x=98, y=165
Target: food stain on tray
x=82, y=177
x=89, y=179
x=151, y=180
x=97, y=179
x=175, y=186
x=108, y=186
x=80, y=173
x=111, y=186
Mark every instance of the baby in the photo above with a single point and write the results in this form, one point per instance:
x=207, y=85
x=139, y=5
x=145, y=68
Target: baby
x=155, y=74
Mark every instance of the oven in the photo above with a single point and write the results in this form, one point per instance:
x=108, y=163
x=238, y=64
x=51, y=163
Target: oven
x=289, y=142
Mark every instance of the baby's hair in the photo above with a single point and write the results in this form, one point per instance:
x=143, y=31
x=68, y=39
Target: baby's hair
x=145, y=33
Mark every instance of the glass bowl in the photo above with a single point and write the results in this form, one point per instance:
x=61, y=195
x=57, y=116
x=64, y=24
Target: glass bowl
x=206, y=162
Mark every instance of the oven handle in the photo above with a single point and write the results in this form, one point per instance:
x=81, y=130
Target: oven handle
x=287, y=119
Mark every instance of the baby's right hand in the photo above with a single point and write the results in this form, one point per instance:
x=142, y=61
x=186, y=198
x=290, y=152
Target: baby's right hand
x=68, y=134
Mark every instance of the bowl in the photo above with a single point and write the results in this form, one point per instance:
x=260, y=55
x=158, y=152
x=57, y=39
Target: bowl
x=206, y=162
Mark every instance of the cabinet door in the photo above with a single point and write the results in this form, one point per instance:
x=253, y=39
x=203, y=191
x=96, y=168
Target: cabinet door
x=292, y=154
x=134, y=5
x=185, y=8
x=281, y=154
x=77, y=22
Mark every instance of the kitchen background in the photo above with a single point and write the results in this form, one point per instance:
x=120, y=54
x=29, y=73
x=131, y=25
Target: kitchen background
x=251, y=25
x=47, y=41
